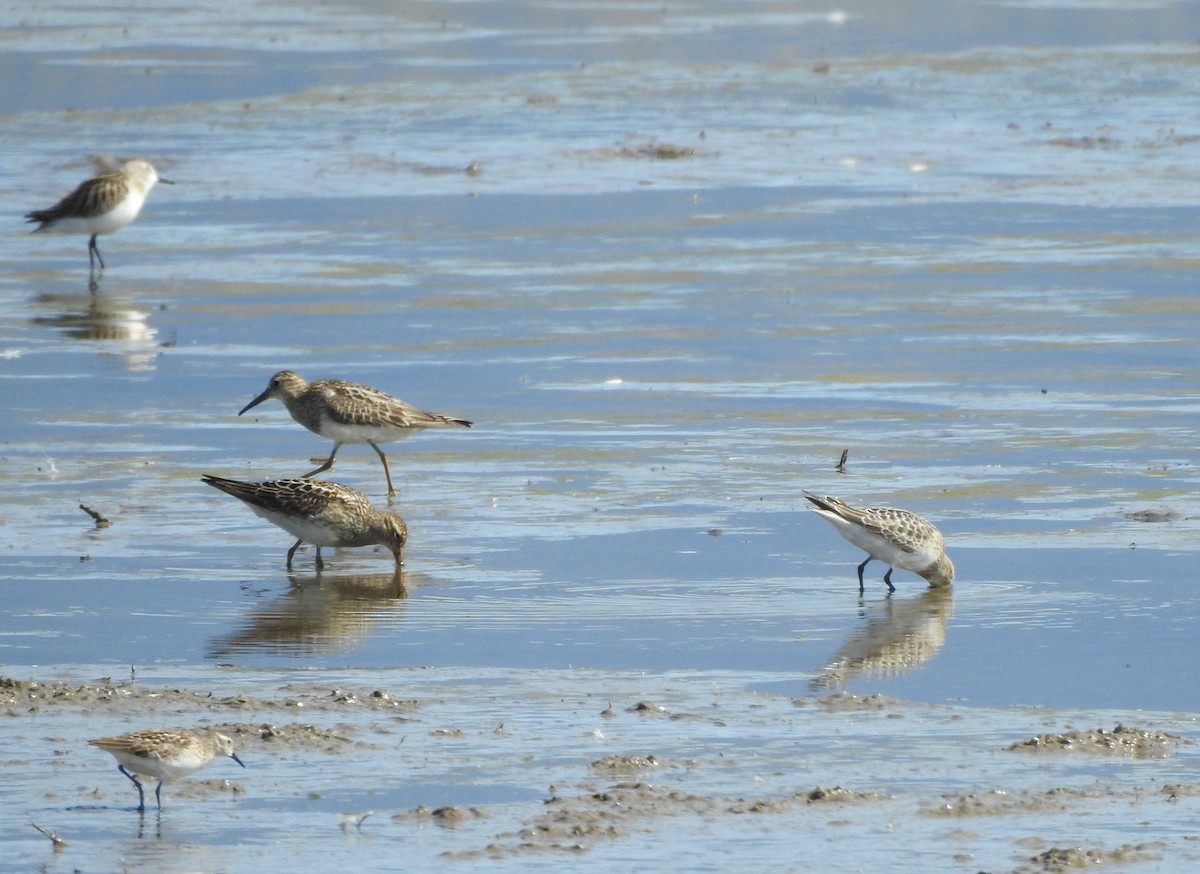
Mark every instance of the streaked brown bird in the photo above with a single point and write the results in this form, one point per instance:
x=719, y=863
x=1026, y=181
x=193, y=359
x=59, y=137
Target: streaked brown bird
x=103, y=204
x=897, y=537
x=319, y=512
x=347, y=412
x=164, y=755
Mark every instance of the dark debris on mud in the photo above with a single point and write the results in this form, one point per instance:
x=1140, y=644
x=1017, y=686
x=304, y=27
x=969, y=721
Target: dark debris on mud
x=1123, y=740
x=998, y=802
x=449, y=816
x=292, y=735
x=630, y=764
x=572, y=824
x=642, y=149
x=847, y=701
x=1058, y=859
x=22, y=697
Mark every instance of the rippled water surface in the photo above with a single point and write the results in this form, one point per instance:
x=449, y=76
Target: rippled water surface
x=672, y=260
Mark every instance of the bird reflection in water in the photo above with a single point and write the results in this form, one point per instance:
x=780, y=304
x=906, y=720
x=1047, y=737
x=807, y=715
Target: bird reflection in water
x=100, y=317
x=320, y=613
x=910, y=632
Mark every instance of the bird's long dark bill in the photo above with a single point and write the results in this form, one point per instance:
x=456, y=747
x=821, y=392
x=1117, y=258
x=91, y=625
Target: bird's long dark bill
x=254, y=403
x=236, y=759
x=166, y=181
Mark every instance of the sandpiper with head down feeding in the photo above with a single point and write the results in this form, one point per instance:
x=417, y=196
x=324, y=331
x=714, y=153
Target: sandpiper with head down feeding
x=898, y=537
x=319, y=512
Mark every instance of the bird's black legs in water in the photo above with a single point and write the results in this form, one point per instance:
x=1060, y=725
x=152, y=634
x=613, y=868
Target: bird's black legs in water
x=94, y=250
x=887, y=578
x=292, y=553
x=860, y=573
x=141, y=795
x=93, y=273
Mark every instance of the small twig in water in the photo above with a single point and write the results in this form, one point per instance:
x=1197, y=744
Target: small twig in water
x=100, y=519
x=841, y=465
x=53, y=836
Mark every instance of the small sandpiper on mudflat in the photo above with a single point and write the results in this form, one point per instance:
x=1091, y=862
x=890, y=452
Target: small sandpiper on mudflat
x=319, y=512
x=103, y=204
x=347, y=412
x=164, y=755
x=898, y=537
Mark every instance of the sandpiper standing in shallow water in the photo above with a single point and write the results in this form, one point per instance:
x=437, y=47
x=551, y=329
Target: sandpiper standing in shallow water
x=103, y=204
x=346, y=412
x=164, y=755
x=897, y=537
x=319, y=512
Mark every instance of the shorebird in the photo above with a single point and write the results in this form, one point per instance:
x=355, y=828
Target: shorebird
x=103, y=204
x=897, y=537
x=319, y=512
x=346, y=412
x=164, y=755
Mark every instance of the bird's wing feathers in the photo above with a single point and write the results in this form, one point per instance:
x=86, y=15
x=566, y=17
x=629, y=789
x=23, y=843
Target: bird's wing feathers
x=354, y=404
x=294, y=497
x=89, y=199
x=904, y=530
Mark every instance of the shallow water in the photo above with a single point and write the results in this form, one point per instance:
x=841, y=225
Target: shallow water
x=671, y=261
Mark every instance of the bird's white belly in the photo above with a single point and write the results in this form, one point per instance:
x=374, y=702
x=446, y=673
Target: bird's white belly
x=304, y=528
x=883, y=550
x=180, y=767
x=105, y=223
x=160, y=769
x=361, y=433
x=115, y=219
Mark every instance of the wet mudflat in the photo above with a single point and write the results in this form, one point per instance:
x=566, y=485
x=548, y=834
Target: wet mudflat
x=672, y=261
x=531, y=768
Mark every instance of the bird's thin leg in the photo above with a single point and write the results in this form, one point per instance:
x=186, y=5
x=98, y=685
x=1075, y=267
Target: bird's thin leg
x=292, y=552
x=141, y=795
x=93, y=248
x=328, y=462
x=320, y=561
x=887, y=578
x=158, y=794
x=386, y=471
x=860, y=573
